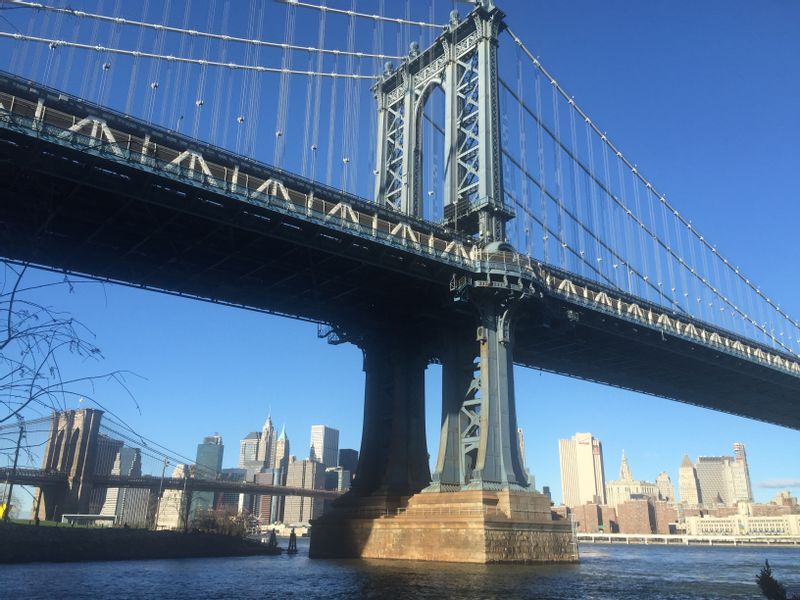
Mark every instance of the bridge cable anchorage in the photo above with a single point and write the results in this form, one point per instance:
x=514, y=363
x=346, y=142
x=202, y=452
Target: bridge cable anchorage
x=182, y=59
x=199, y=34
x=645, y=231
x=353, y=13
x=704, y=242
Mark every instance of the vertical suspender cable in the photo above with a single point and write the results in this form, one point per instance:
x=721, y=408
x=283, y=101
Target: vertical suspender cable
x=216, y=109
x=542, y=181
x=134, y=78
x=580, y=244
x=559, y=179
x=283, y=100
x=331, y=125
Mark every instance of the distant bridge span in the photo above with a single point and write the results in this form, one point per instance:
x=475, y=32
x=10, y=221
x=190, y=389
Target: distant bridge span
x=40, y=478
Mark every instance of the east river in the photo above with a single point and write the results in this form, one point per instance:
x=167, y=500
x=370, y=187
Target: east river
x=606, y=572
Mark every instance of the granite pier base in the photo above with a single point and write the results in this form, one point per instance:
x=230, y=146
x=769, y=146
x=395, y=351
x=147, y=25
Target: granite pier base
x=477, y=526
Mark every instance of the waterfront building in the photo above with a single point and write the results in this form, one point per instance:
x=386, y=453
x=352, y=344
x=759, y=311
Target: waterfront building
x=627, y=488
x=688, y=486
x=208, y=466
x=324, y=445
x=582, y=474
x=636, y=516
x=666, y=490
x=169, y=512
x=307, y=474
x=744, y=525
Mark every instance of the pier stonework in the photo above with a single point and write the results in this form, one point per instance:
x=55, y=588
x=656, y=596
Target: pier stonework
x=468, y=527
x=478, y=506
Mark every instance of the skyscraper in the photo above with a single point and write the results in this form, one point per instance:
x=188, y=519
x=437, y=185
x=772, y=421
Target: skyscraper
x=521, y=442
x=281, y=463
x=724, y=479
x=208, y=466
x=666, y=490
x=582, y=475
x=324, y=445
x=688, y=487
x=266, y=444
x=128, y=506
x=307, y=474
x=248, y=449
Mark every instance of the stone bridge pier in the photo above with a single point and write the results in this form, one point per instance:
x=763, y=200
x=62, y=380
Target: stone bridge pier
x=478, y=506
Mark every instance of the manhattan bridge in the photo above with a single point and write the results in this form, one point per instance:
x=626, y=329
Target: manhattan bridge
x=433, y=195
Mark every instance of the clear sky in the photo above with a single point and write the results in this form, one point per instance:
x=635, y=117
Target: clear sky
x=703, y=96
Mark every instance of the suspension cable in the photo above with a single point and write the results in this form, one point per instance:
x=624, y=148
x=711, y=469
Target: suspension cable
x=352, y=13
x=644, y=229
x=182, y=59
x=195, y=33
x=638, y=175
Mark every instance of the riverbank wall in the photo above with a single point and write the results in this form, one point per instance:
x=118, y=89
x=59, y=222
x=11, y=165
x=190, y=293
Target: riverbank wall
x=27, y=543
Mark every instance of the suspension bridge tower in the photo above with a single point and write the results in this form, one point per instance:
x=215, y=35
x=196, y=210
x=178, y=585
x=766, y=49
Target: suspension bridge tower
x=479, y=504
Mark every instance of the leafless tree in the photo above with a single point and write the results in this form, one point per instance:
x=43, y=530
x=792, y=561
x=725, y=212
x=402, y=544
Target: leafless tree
x=35, y=342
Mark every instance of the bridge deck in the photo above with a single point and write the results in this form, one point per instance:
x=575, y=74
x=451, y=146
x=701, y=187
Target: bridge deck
x=141, y=212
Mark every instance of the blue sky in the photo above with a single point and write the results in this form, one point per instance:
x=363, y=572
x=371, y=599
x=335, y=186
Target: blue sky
x=703, y=97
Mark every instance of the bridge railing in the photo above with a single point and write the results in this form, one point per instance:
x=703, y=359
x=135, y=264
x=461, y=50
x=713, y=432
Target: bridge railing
x=636, y=310
x=93, y=135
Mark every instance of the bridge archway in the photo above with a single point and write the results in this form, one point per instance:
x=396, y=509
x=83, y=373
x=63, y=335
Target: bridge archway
x=430, y=151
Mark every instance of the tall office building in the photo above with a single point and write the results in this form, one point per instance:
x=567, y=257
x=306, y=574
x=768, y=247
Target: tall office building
x=307, y=474
x=266, y=444
x=280, y=467
x=740, y=475
x=107, y=450
x=128, y=506
x=248, y=449
x=324, y=445
x=582, y=475
x=724, y=479
x=209, y=466
x=666, y=490
x=688, y=487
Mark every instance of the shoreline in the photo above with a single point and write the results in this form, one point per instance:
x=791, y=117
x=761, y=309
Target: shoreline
x=27, y=544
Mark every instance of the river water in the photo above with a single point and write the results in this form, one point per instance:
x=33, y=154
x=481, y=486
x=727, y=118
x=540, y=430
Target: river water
x=606, y=572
